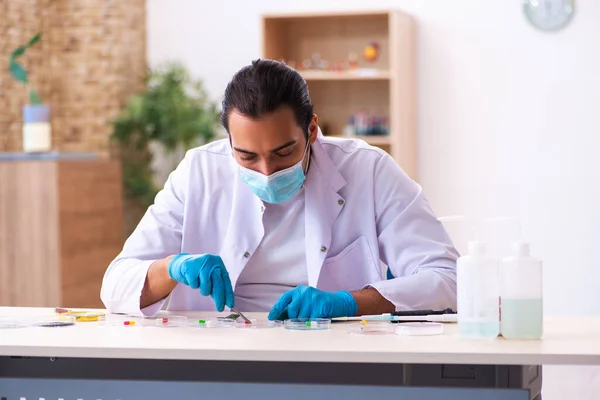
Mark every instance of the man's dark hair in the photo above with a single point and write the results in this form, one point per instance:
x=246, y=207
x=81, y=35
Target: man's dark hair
x=263, y=87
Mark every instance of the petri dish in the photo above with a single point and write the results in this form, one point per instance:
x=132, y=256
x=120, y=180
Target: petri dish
x=13, y=323
x=230, y=317
x=80, y=316
x=307, y=324
x=120, y=320
x=53, y=321
x=376, y=329
x=172, y=321
x=419, y=328
x=257, y=324
x=211, y=323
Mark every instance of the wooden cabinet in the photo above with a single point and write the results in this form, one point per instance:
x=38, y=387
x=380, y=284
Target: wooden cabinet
x=340, y=89
x=61, y=223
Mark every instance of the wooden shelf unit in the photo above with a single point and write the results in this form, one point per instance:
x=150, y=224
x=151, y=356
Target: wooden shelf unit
x=385, y=87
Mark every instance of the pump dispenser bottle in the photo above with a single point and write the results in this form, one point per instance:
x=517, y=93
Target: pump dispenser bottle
x=478, y=293
x=521, y=295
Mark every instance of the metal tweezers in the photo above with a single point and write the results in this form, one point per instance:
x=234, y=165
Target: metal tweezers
x=235, y=310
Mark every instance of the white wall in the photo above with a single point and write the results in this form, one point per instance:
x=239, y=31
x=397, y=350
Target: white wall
x=508, y=119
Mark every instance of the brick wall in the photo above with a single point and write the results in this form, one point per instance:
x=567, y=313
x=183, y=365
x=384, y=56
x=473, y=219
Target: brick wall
x=90, y=60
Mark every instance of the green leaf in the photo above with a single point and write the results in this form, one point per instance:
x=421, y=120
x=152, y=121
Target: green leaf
x=34, y=97
x=34, y=40
x=18, y=72
x=17, y=53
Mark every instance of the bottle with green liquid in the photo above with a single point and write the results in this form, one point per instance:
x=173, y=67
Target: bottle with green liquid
x=521, y=295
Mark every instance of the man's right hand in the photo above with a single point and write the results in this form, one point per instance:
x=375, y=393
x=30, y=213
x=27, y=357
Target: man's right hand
x=206, y=272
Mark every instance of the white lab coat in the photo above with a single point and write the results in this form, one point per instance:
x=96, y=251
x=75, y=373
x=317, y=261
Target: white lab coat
x=361, y=211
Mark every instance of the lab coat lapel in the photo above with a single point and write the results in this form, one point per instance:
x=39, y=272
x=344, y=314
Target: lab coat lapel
x=245, y=230
x=322, y=207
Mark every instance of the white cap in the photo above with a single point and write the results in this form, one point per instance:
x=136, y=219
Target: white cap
x=521, y=249
x=477, y=247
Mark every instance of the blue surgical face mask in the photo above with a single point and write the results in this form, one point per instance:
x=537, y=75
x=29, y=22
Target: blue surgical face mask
x=277, y=187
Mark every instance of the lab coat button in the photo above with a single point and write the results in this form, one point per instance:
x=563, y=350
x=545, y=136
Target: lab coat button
x=246, y=254
x=262, y=208
x=341, y=202
x=323, y=249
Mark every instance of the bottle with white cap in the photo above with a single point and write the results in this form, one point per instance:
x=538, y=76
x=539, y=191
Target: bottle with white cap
x=478, y=293
x=521, y=292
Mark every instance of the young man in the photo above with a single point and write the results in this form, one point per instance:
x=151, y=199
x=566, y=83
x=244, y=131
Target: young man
x=279, y=218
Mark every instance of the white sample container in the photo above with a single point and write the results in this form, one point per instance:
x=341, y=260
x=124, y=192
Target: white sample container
x=521, y=295
x=478, y=293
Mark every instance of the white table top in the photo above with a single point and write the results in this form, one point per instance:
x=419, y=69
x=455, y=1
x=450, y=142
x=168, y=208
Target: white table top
x=566, y=341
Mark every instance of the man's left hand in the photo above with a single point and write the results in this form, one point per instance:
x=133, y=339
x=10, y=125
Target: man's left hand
x=308, y=302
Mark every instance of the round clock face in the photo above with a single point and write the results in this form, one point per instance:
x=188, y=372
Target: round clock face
x=549, y=15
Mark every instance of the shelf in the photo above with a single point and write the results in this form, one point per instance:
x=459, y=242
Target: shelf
x=344, y=75
x=374, y=140
x=327, y=14
x=383, y=87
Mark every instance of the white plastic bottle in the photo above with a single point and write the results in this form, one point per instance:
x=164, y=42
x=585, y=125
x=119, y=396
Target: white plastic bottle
x=521, y=292
x=478, y=293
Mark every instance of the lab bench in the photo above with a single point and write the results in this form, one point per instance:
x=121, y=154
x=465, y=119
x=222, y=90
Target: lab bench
x=87, y=361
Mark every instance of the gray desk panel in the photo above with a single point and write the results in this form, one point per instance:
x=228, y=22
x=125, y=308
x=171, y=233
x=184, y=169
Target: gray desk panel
x=34, y=389
x=399, y=379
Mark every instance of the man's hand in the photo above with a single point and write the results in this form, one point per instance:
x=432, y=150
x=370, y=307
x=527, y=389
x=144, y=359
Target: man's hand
x=206, y=272
x=308, y=302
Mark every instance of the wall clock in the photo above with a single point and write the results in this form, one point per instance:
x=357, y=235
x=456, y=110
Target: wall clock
x=549, y=15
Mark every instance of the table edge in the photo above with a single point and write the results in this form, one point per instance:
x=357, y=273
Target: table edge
x=302, y=356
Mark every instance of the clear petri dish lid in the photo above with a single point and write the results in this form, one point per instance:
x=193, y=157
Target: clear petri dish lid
x=80, y=315
x=120, y=320
x=53, y=321
x=207, y=323
x=419, y=328
x=257, y=324
x=374, y=329
x=172, y=321
x=230, y=317
x=307, y=324
x=14, y=322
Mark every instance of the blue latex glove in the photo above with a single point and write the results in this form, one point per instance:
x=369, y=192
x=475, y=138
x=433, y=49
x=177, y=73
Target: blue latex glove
x=204, y=271
x=308, y=302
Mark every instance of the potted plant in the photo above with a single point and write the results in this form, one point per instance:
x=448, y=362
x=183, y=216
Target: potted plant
x=173, y=114
x=37, y=133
